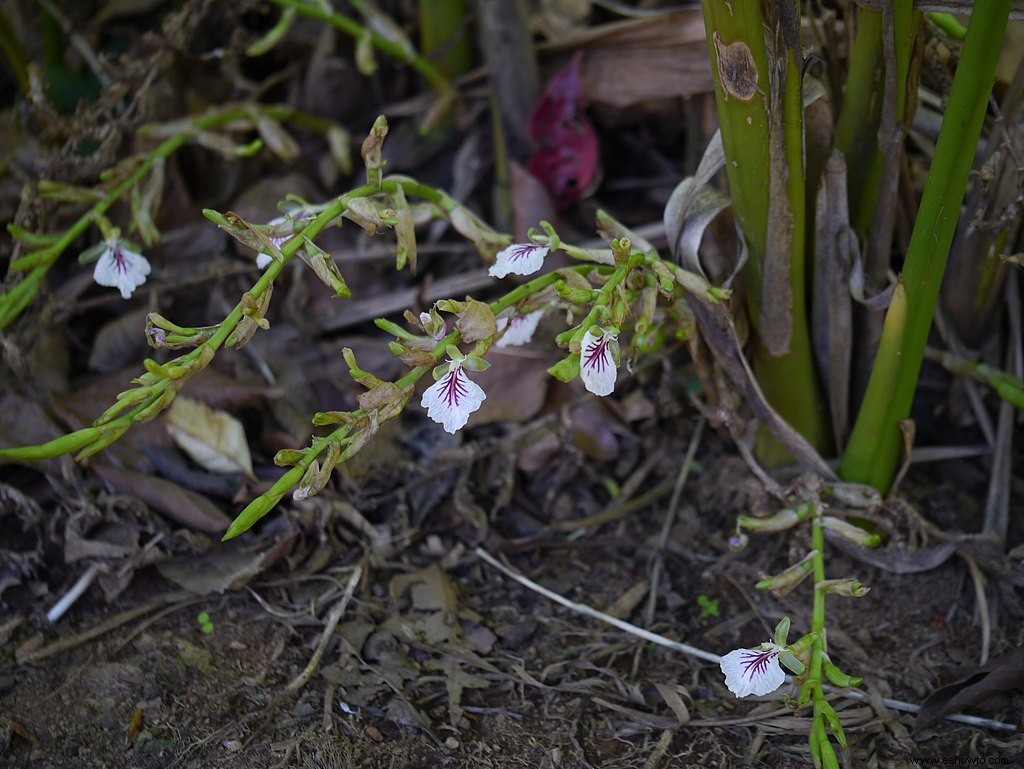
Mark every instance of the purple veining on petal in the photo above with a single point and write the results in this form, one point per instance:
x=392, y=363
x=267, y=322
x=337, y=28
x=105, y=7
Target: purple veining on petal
x=755, y=661
x=597, y=357
x=453, y=388
x=522, y=251
x=120, y=262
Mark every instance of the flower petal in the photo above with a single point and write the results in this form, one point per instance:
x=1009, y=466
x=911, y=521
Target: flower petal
x=519, y=329
x=452, y=398
x=597, y=368
x=518, y=259
x=753, y=671
x=121, y=268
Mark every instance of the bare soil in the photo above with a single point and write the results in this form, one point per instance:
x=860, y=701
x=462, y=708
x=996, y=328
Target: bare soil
x=519, y=682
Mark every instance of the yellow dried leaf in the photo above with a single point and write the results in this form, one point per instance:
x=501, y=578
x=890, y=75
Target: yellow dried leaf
x=214, y=439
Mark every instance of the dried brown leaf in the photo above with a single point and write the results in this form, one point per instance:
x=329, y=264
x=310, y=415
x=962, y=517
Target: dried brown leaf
x=178, y=504
x=214, y=439
x=1003, y=674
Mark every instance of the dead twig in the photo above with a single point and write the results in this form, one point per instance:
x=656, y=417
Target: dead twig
x=65, y=644
x=333, y=618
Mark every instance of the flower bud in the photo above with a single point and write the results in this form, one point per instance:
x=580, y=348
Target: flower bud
x=849, y=532
x=738, y=542
x=856, y=495
x=575, y=295
x=566, y=369
x=288, y=457
x=850, y=588
x=780, y=521
x=837, y=677
x=784, y=582
x=791, y=663
x=782, y=631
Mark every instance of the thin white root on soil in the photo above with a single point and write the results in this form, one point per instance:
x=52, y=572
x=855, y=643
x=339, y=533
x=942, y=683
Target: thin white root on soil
x=69, y=598
x=693, y=651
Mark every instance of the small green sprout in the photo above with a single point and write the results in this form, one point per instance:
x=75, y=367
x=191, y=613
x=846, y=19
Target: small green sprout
x=205, y=623
x=708, y=607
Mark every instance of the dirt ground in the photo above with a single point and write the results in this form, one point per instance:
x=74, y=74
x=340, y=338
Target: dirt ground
x=441, y=660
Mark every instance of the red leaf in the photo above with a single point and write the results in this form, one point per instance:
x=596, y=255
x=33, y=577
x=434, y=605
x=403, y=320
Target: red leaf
x=565, y=159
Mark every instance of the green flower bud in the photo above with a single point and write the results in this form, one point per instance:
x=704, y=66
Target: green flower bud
x=784, y=582
x=837, y=677
x=855, y=495
x=792, y=664
x=849, y=532
x=575, y=295
x=566, y=369
x=288, y=457
x=850, y=588
x=782, y=631
x=780, y=521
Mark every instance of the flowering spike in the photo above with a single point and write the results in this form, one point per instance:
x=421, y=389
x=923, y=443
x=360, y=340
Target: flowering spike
x=519, y=329
x=518, y=259
x=121, y=268
x=753, y=671
x=452, y=398
x=597, y=365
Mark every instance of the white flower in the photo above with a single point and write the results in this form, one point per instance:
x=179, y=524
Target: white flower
x=121, y=268
x=452, y=398
x=264, y=260
x=519, y=329
x=597, y=366
x=753, y=671
x=518, y=259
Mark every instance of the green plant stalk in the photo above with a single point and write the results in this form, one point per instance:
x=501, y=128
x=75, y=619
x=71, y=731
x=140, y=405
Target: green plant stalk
x=948, y=23
x=266, y=502
x=857, y=135
x=873, y=453
x=1007, y=386
x=38, y=263
x=817, y=623
x=444, y=37
x=143, y=408
x=857, y=125
x=788, y=380
x=744, y=124
x=354, y=29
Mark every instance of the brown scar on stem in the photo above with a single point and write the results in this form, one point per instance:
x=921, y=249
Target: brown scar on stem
x=737, y=71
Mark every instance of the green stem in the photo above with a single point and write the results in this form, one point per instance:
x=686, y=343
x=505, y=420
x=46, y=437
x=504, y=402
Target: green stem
x=38, y=263
x=814, y=674
x=857, y=125
x=444, y=35
x=873, y=453
x=762, y=135
x=354, y=29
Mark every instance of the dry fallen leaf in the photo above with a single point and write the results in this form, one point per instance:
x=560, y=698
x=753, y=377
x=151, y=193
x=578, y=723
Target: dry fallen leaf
x=214, y=439
x=169, y=499
x=999, y=677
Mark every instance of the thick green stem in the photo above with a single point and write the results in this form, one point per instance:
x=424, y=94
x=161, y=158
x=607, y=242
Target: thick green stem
x=857, y=125
x=762, y=135
x=873, y=453
x=444, y=35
